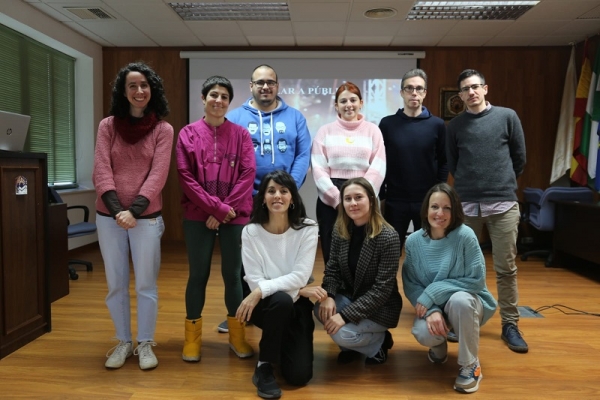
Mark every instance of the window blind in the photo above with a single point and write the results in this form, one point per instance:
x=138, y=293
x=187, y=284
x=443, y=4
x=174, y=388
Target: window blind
x=39, y=81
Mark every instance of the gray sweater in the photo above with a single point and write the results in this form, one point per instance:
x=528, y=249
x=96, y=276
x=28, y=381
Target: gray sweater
x=486, y=154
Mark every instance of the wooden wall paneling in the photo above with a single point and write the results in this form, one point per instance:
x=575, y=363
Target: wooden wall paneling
x=529, y=80
x=173, y=70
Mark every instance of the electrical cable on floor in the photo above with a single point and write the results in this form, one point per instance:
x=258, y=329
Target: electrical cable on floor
x=560, y=307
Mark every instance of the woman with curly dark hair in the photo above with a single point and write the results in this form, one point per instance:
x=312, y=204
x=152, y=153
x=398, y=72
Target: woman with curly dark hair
x=131, y=164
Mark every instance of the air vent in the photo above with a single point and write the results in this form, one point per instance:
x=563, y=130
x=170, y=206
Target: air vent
x=89, y=13
x=380, y=13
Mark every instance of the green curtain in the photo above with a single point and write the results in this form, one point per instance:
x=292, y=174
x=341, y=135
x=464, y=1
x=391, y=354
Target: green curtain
x=39, y=81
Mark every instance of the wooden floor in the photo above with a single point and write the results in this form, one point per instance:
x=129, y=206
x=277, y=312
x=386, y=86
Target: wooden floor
x=68, y=363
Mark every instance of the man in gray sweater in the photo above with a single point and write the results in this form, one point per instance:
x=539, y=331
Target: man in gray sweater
x=486, y=153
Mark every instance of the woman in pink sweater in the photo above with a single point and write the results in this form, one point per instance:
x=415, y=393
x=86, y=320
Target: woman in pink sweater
x=131, y=164
x=216, y=166
x=350, y=147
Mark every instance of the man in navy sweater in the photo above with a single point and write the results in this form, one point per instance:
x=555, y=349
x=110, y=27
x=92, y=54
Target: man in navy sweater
x=416, y=155
x=486, y=154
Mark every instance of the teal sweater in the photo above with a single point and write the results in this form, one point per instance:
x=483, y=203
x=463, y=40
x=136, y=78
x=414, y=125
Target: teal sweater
x=434, y=270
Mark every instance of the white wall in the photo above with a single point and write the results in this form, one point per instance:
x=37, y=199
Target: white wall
x=31, y=22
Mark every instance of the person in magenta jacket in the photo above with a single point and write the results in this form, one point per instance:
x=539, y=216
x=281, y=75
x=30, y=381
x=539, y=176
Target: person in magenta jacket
x=131, y=164
x=216, y=167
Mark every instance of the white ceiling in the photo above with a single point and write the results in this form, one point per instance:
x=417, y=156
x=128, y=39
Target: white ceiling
x=152, y=23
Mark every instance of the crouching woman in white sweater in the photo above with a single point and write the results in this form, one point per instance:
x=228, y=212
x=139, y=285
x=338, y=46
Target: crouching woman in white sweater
x=278, y=253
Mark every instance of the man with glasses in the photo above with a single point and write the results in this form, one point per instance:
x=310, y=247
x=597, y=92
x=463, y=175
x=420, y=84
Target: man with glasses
x=486, y=154
x=276, y=120
x=277, y=123
x=416, y=155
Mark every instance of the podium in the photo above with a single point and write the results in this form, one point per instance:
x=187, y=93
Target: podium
x=24, y=296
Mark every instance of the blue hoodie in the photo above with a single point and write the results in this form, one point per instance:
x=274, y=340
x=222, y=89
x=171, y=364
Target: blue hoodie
x=280, y=137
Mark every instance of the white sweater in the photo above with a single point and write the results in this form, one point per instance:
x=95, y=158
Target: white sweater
x=279, y=262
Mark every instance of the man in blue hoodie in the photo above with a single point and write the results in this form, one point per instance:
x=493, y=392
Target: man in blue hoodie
x=279, y=133
x=282, y=135
x=415, y=147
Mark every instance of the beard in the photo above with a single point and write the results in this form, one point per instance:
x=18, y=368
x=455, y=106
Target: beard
x=264, y=102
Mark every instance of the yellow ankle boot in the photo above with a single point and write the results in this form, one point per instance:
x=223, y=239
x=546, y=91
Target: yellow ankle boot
x=237, y=338
x=193, y=340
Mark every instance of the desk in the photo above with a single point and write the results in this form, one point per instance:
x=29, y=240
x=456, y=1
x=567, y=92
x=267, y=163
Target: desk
x=577, y=231
x=24, y=305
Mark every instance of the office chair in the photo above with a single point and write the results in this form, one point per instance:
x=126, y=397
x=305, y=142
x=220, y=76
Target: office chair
x=74, y=230
x=539, y=211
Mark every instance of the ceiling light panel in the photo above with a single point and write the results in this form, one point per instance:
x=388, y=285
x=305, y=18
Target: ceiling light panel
x=232, y=11
x=477, y=10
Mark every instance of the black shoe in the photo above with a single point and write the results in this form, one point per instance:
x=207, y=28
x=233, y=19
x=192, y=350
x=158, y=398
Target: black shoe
x=347, y=356
x=513, y=338
x=265, y=382
x=381, y=355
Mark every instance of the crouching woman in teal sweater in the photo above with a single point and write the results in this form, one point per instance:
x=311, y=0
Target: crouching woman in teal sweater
x=444, y=279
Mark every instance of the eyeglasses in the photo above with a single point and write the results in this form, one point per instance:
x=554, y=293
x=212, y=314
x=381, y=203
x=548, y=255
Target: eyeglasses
x=474, y=87
x=262, y=83
x=410, y=89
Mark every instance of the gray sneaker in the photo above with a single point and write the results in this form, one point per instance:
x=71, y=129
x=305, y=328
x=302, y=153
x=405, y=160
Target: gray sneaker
x=438, y=354
x=223, y=327
x=451, y=336
x=468, y=378
x=147, y=358
x=118, y=354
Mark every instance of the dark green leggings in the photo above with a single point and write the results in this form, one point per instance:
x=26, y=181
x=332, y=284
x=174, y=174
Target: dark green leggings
x=200, y=242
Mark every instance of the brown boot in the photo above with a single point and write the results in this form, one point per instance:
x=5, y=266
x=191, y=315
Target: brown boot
x=237, y=338
x=192, y=347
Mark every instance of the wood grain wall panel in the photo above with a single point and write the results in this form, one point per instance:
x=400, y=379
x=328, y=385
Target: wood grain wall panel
x=173, y=70
x=528, y=80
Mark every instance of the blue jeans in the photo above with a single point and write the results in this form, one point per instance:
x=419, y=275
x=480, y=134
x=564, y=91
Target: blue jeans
x=366, y=337
x=144, y=243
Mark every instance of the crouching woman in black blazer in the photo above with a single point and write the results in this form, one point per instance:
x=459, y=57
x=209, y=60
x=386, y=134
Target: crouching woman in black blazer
x=360, y=278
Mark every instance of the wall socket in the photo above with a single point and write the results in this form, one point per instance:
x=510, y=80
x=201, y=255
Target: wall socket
x=527, y=240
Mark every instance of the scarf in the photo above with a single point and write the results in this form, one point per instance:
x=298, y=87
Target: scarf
x=132, y=129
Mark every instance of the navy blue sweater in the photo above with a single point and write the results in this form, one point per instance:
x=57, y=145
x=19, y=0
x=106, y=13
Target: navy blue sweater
x=415, y=149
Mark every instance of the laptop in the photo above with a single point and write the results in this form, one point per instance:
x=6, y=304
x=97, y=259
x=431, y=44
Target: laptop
x=13, y=131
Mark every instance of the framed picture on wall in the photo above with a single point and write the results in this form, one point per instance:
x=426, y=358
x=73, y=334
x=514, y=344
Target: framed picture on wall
x=450, y=103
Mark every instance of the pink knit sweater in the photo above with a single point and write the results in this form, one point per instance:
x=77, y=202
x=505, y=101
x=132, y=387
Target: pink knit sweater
x=344, y=150
x=132, y=169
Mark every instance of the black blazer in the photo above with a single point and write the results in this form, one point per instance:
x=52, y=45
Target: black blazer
x=374, y=288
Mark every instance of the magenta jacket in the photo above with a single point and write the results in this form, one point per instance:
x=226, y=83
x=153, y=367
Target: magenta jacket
x=216, y=168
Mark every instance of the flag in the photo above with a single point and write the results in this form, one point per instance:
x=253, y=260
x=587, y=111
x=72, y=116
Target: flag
x=594, y=111
x=563, y=146
x=581, y=135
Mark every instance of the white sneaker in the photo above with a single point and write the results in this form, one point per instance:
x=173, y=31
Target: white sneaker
x=120, y=353
x=147, y=358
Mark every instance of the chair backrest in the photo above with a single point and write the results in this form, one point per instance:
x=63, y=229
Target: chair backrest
x=53, y=196
x=544, y=221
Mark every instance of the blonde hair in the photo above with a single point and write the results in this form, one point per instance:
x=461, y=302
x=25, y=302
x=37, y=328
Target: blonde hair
x=376, y=221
